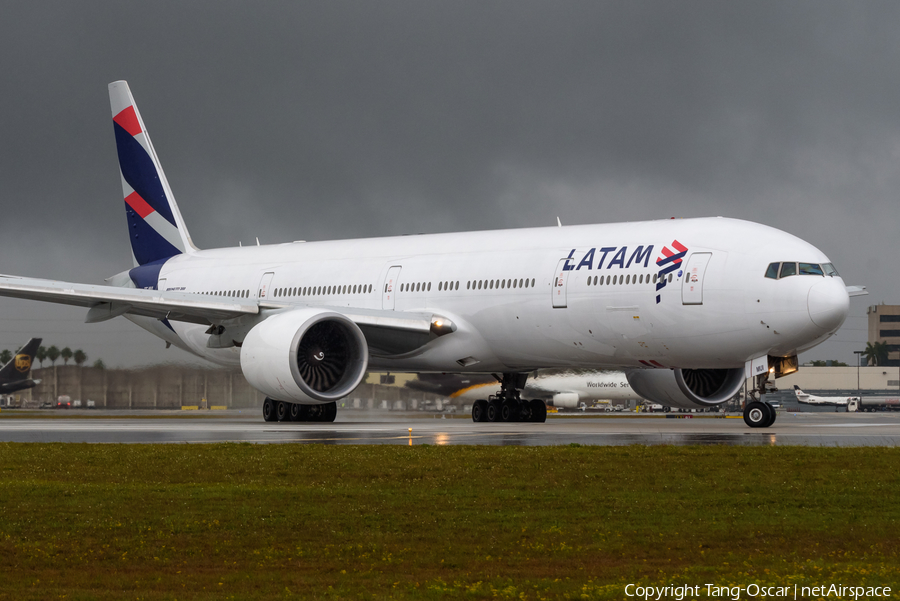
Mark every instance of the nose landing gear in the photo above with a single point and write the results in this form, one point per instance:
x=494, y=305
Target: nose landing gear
x=758, y=414
x=508, y=406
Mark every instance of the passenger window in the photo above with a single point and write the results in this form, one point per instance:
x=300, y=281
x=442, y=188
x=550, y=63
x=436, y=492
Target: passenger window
x=829, y=269
x=429, y=286
x=788, y=269
x=772, y=271
x=810, y=269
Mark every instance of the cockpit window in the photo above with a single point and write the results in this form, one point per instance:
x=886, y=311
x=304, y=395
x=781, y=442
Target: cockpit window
x=810, y=269
x=772, y=271
x=788, y=269
x=829, y=269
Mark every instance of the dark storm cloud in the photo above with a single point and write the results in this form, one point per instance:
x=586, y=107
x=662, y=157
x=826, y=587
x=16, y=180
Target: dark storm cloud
x=342, y=119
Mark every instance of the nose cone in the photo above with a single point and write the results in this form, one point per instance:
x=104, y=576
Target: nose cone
x=828, y=304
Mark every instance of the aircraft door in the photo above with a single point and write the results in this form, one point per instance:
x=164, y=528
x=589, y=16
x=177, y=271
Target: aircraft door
x=389, y=288
x=694, y=274
x=560, y=282
x=265, y=284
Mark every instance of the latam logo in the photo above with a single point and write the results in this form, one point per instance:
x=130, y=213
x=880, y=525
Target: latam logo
x=620, y=258
x=667, y=263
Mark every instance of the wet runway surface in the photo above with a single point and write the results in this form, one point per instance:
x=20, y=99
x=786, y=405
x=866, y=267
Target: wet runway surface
x=808, y=429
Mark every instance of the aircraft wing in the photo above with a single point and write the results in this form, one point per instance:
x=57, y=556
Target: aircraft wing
x=106, y=302
x=387, y=332
x=857, y=290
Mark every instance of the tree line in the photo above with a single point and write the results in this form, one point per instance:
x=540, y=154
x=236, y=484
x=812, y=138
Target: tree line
x=53, y=353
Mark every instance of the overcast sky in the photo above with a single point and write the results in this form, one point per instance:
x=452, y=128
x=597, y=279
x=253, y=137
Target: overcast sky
x=318, y=120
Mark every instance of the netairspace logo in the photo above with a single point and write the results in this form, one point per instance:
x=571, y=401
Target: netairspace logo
x=753, y=591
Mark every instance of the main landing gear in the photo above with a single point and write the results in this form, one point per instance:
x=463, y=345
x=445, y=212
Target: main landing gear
x=758, y=414
x=282, y=411
x=507, y=406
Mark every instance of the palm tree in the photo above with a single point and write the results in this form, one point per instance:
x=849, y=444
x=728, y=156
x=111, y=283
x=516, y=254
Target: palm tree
x=80, y=357
x=66, y=354
x=5, y=357
x=41, y=355
x=876, y=353
x=53, y=354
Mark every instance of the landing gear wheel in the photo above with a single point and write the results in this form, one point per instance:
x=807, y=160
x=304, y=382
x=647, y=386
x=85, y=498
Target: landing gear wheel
x=282, y=411
x=329, y=412
x=772, y=415
x=757, y=415
x=506, y=412
x=538, y=411
x=268, y=410
x=493, y=411
x=479, y=411
x=298, y=412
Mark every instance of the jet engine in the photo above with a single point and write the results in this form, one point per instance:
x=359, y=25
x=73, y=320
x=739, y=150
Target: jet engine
x=687, y=388
x=566, y=400
x=306, y=356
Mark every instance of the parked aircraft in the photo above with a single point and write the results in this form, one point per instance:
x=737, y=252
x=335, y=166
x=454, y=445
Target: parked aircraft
x=14, y=375
x=811, y=399
x=689, y=307
x=568, y=389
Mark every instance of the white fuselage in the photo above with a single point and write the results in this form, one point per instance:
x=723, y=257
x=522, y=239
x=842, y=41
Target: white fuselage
x=499, y=288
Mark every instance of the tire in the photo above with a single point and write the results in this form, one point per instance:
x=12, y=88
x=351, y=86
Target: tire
x=773, y=415
x=282, y=411
x=329, y=412
x=493, y=411
x=268, y=410
x=479, y=411
x=667, y=409
x=756, y=414
x=506, y=412
x=299, y=413
x=538, y=411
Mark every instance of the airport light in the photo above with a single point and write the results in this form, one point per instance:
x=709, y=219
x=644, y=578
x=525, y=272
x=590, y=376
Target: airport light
x=858, y=361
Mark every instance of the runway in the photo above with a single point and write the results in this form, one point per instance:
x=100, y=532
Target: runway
x=807, y=429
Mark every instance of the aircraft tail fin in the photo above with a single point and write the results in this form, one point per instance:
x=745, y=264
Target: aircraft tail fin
x=155, y=226
x=19, y=366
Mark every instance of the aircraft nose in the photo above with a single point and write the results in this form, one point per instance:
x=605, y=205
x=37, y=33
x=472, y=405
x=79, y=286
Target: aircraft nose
x=829, y=304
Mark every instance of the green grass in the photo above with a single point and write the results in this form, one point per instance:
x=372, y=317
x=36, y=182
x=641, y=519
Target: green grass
x=390, y=522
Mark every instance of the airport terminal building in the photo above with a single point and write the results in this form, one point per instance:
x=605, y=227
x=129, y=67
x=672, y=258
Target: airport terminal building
x=884, y=326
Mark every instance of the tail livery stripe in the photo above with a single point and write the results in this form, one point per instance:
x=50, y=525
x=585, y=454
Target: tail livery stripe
x=128, y=120
x=155, y=227
x=139, y=205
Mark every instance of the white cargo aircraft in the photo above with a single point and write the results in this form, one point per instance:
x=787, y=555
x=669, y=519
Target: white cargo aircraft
x=569, y=389
x=689, y=307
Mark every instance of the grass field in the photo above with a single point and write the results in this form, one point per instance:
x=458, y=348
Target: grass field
x=385, y=522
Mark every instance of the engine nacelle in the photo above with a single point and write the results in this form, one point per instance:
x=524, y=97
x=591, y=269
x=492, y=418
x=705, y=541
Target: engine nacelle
x=566, y=400
x=305, y=355
x=687, y=388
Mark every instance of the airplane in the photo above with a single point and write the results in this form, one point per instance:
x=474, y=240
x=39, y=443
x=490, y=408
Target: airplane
x=14, y=375
x=688, y=307
x=568, y=389
x=811, y=399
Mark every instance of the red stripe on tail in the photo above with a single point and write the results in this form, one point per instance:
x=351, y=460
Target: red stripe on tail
x=128, y=121
x=139, y=205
